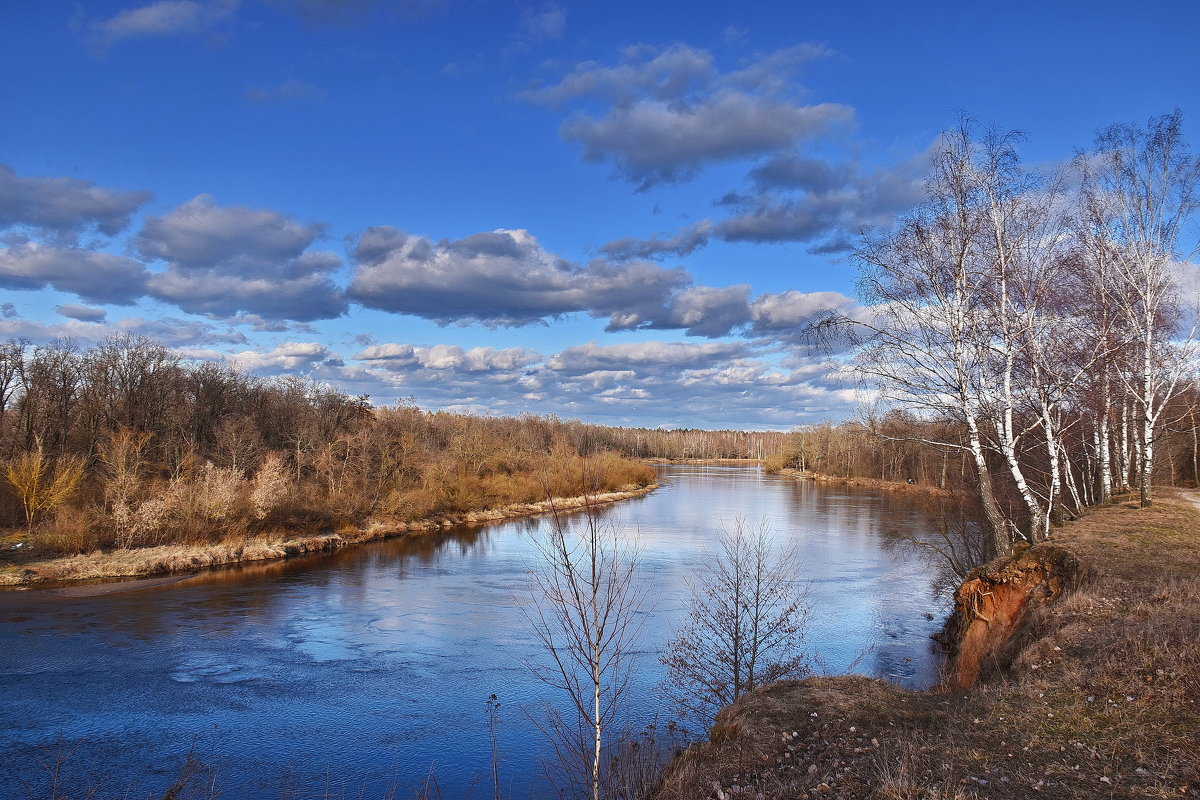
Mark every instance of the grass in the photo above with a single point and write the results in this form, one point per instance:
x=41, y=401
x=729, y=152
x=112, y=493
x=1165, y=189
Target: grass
x=1099, y=700
x=28, y=565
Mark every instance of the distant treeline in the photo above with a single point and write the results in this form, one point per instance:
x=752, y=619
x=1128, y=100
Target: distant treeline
x=898, y=446
x=126, y=445
x=688, y=443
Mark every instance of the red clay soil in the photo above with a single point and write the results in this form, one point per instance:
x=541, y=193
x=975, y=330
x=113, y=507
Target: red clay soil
x=993, y=602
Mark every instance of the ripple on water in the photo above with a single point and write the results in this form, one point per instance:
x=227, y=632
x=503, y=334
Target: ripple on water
x=214, y=669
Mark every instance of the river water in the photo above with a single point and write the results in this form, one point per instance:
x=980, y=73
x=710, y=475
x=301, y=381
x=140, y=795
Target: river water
x=343, y=675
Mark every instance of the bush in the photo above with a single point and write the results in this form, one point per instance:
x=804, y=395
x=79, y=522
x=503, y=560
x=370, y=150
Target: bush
x=68, y=533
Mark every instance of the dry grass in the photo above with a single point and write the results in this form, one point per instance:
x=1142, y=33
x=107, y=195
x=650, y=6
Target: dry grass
x=1100, y=700
x=25, y=566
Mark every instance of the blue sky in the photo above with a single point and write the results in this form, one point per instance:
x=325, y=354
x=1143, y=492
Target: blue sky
x=618, y=212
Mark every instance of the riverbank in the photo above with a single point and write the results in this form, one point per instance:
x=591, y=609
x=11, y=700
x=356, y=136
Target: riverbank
x=166, y=560
x=866, y=483
x=711, y=462
x=1093, y=694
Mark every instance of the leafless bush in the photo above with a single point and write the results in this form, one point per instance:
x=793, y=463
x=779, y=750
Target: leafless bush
x=745, y=624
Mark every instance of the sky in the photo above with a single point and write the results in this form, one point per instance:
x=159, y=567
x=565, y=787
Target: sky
x=625, y=213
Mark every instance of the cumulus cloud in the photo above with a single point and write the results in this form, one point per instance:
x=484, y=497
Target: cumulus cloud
x=233, y=260
x=175, y=332
x=668, y=74
x=505, y=278
x=164, y=18
x=793, y=310
x=40, y=332
x=93, y=276
x=796, y=199
x=81, y=313
x=304, y=298
x=802, y=219
x=64, y=207
x=399, y=357
x=501, y=278
x=836, y=201
x=652, y=141
x=707, y=311
x=643, y=356
x=794, y=171
x=170, y=331
x=713, y=384
x=668, y=113
x=697, y=310
x=290, y=357
x=202, y=235
x=683, y=243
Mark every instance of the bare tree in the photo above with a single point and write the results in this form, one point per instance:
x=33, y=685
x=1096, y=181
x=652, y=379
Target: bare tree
x=1141, y=184
x=927, y=347
x=12, y=360
x=587, y=600
x=42, y=488
x=745, y=624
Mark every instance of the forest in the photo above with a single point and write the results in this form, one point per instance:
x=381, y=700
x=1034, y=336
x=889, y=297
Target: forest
x=125, y=445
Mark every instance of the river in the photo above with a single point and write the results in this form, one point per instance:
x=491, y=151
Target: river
x=342, y=675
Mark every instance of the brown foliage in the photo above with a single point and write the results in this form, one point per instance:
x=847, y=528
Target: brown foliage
x=153, y=452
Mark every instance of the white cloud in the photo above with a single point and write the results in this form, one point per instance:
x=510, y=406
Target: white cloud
x=64, y=207
x=641, y=356
x=500, y=278
x=233, y=260
x=164, y=18
x=96, y=277
x=666, y=113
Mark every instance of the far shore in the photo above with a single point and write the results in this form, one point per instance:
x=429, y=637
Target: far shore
x=170, y=563
x=867, y=483
x=701, y=461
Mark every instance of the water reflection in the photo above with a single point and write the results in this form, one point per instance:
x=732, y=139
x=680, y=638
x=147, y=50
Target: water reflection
x=366, y=666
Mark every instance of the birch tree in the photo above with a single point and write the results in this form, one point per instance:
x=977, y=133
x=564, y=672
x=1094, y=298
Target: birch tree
x=1140, y=188
x=586, y=612
x=1023, y=244
x=925, y=347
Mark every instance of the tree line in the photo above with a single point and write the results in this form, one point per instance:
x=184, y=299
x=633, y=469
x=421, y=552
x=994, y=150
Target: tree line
x=125, y=444
x=689, y=443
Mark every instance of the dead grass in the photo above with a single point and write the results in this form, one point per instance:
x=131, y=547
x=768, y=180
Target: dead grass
x=25, y=566
x=901, y=487
x=1100, y=700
